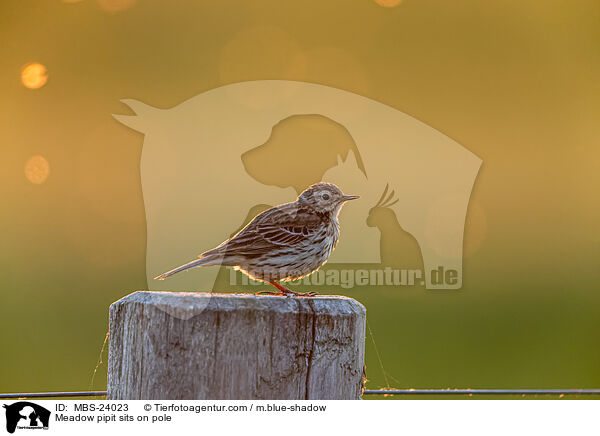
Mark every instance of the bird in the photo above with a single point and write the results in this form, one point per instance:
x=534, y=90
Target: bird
x=283, y=243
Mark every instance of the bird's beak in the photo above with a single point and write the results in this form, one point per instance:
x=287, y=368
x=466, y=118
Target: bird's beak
x=350, y=197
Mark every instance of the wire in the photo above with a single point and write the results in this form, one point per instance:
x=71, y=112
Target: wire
x=56, y=394
x=383, y=371
x=481, y=392
x=366, y=392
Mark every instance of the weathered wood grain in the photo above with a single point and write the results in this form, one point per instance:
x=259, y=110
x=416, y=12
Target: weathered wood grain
x=169, y=345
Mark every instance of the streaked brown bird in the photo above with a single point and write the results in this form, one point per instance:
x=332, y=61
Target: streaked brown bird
x=286, y=242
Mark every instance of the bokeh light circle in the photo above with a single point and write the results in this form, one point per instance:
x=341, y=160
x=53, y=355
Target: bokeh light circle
x=34, y=75
x=37, y=169
x=388, y=3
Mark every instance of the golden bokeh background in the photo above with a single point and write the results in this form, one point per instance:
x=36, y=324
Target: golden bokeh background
x=515, y=82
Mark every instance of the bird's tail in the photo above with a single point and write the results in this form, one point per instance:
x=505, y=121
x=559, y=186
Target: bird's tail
x=202, y=261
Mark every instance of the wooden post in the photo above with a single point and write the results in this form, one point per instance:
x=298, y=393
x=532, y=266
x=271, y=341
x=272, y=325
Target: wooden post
x=172, y=345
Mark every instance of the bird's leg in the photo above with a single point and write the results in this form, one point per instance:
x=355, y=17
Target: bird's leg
x=281, y=292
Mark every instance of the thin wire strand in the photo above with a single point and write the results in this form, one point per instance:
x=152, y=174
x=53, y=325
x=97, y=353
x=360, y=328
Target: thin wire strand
x=469, y=392
x=387, y=382
x=56, y=394
x=99, y=362
x=481, y=392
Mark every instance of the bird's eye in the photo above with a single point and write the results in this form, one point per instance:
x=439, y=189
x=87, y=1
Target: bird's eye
x=325, y=196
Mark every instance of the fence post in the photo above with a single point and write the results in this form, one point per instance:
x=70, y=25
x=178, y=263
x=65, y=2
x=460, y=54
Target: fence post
x=172, y=345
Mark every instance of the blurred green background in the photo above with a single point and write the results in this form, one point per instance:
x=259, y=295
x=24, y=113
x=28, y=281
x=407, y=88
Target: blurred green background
x=515, y=82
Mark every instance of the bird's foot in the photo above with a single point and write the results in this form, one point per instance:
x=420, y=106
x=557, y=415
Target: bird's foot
x=287, y=292
x=303, y=294
x=280, y=294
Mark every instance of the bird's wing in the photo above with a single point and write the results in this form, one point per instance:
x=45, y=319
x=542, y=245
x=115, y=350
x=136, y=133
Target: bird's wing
x=278, y=227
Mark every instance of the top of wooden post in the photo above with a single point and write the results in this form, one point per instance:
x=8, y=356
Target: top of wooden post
x=185, y=305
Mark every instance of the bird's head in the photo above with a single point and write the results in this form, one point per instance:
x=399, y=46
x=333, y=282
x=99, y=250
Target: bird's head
x=325, y=197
